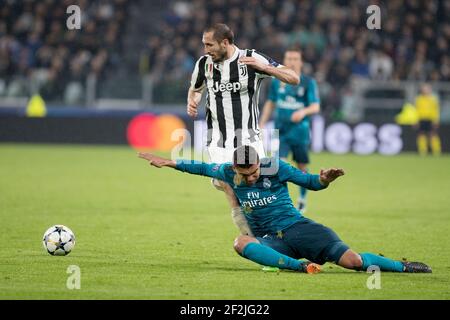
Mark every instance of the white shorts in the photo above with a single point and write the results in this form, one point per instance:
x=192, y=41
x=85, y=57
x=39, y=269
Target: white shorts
x=222, y=155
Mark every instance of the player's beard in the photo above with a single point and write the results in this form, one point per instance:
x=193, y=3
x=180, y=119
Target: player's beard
x=219, y=56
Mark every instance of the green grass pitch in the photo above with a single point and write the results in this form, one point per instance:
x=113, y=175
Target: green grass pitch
x=147, y=233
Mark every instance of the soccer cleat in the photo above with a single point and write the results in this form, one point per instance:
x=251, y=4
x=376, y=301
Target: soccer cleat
x=310, y=267
x=270, y=269
x=415, y=267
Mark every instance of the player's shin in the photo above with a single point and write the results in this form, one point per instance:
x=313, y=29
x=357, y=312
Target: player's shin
x=422, y=144
x=301, y=202
x=385, y=264
x=436, y=145
x=267, y=256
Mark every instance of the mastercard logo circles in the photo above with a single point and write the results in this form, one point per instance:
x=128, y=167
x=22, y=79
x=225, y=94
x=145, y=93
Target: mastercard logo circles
x=148, y=131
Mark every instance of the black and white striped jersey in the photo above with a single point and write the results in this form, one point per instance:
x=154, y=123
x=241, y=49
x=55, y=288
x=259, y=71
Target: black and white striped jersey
x=232, y=97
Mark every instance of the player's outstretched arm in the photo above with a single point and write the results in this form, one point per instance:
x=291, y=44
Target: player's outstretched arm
x=156, y=161
x=193, y=167
x=309, y=181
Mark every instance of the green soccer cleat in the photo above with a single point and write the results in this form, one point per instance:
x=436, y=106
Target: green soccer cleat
x=270, y=269
x=415, y=267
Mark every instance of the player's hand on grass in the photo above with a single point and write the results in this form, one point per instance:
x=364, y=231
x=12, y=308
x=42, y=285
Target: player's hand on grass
x=298, y=116
x=156, y=161
x=329, y=175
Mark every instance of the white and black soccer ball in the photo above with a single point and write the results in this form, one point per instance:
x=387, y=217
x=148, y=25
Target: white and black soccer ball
x=58, y=240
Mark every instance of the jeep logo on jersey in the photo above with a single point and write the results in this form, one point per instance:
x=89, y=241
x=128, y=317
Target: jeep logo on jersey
x=230, y=86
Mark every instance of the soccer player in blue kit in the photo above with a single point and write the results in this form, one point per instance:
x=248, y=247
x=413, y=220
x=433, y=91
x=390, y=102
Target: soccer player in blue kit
x=282, y=235
x=294, y=104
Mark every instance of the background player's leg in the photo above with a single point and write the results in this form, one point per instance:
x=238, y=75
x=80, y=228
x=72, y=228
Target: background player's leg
x=422, y=144
x=422, y=141
x=435, y=144
x=301, y=205
x=301, y=157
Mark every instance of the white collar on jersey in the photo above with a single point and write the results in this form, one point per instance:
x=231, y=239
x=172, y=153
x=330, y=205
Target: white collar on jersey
x=234, y=56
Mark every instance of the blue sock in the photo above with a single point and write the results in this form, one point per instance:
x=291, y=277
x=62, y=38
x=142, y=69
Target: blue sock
x=385, y=264
x=267, y=256
x=303, y=190
x=303, y=193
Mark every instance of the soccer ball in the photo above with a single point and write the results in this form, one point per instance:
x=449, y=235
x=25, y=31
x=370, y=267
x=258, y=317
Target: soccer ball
x=58, y=240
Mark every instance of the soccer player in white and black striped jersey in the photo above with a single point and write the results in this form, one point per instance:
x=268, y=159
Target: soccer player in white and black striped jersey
x=232, y=77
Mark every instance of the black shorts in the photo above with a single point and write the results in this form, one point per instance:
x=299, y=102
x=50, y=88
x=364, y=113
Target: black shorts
x=309, y=240
x=425, y=126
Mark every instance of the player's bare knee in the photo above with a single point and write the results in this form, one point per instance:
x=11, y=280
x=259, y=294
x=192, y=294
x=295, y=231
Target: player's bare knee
x=241, y=242
x=356, y=260
x=351, y=260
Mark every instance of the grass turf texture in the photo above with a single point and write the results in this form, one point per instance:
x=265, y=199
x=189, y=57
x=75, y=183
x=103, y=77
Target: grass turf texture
x=147, y=233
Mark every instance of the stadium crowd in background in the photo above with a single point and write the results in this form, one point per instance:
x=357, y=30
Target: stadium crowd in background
x=36, y=46
x=334, y=36
x=413, y=42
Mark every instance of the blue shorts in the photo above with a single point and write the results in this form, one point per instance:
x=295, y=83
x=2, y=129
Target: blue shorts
x=309, y=240
x=299, y=151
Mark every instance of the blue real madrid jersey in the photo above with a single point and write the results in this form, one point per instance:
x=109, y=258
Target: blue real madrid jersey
x=266, y=204
x=288, y=99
